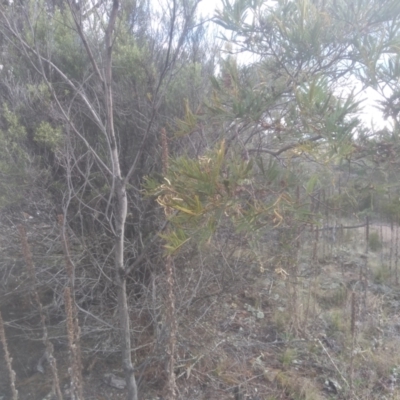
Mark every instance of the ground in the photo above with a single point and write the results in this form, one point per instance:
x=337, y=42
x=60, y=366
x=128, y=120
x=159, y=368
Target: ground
x=323, y=327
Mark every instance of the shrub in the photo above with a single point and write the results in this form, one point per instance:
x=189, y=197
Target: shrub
x=374, y=241
x=382, y=274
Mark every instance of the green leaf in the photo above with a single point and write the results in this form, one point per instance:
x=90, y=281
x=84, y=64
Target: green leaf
x=215, y=83
x=311, y=184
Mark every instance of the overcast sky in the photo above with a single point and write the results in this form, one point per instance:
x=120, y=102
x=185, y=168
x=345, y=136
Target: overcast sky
x=369, y=114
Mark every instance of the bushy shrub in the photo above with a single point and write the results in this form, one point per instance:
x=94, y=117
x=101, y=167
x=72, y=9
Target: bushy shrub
x=374, y=242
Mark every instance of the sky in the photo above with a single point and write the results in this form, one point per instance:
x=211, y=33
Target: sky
x=369, y=114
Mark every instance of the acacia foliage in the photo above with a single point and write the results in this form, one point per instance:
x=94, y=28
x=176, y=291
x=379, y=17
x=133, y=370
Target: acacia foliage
x=287, y=111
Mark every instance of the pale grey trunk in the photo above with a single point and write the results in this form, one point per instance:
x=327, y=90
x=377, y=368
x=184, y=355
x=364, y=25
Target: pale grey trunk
x=120, y=214
x=122, y=206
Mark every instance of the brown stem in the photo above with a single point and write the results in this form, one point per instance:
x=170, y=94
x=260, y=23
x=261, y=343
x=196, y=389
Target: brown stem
x=73, y=344
x=73, y=329
x=171, y=384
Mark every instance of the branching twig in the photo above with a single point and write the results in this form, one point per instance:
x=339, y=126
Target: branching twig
x=335, y=366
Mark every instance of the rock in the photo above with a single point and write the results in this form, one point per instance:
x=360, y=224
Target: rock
x=380, y=289
x=394, y=304
x=329, y=285
x=351, y=264
x=271, y=374
x=332, y=386
x=258, y=314
x=305, y=269
x=249, y=308
x=114, y=381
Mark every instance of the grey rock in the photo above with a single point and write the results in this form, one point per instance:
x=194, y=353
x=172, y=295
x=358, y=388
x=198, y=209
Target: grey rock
x=114, y=381
x=380, y=289
x=351, y=264
x=332, y=386
x=249, y=308
x=394, y=304
x=330, y=285
x=257, y=313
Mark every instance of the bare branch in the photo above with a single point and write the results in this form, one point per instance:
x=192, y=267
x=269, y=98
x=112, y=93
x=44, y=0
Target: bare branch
x=78, y=25
x=285, y=148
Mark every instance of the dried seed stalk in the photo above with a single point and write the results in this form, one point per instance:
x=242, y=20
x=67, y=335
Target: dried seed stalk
x=75, y=369
x=26, y=251
x=169, y=265
x=73, y=329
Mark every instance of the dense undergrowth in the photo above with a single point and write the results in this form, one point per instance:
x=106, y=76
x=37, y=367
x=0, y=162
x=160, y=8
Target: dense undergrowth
x=273, y=322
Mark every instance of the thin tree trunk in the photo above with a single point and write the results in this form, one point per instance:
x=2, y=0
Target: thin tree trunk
x=122, y=206
x=120, y=214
